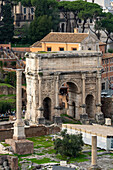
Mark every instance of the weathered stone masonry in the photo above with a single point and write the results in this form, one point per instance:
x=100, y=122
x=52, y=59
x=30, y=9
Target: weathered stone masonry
x=47, y=72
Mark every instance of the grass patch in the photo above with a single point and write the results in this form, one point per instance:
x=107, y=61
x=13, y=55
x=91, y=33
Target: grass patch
x=10, y=95
x=8, y=85
x=8, y=101
x=40, y=161
x=65, y=119
x=79, y=158
x=5, y=144
x=42, y=141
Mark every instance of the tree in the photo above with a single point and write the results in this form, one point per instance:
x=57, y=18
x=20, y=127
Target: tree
x=89, y=11
x=7, y=28
x=107, y=26
x=69, y=145
x=64, y=8
x=40, y=27
x=46, y=18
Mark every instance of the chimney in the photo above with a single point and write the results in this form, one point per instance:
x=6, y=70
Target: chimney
x=75, y=30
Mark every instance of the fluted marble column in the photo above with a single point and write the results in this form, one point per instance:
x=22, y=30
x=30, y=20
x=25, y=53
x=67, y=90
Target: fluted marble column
x=41, y=119
x=19, y=124
x=57, y=97
x=99, y=92
x=99, y=114
x=57, y=118
x=84, y=114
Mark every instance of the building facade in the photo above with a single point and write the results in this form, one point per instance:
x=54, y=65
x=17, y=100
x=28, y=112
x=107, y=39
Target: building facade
x=59, y=41
x=22, y=15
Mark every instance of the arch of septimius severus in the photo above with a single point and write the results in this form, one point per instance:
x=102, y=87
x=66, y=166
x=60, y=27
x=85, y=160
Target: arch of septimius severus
x=46, y=73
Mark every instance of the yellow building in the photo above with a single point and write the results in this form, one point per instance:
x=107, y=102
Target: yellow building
x=60, y=41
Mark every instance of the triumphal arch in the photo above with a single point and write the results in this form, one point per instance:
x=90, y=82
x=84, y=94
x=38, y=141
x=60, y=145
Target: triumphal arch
x=78, y=72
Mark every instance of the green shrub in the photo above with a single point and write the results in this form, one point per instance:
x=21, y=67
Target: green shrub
x=5, y=64
x=110, y=50
x=70, y=145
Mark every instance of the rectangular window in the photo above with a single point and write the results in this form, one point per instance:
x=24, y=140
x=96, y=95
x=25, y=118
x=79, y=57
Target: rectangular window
x=103, y=62
x=61, y=49
x=24, y=10
x=48, y=48
x=107, y=69
x=74, y=49
x=32, y=10
x=110, y=68
x=111, y=143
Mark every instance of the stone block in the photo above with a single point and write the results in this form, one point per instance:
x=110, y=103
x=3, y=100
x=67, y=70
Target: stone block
x=2, y=158
x=84, y=116
x=41, y=120
x=108, y=121
x=99, y=118
x=57, y=120
x=96, y=167
x=63, y=163
x=21, y=147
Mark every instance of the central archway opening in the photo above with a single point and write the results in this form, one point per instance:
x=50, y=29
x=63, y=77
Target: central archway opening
x=68, y=98
x=90, y=106
x=47, y=108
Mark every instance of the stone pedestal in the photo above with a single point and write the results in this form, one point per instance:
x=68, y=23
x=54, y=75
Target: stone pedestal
x=41, y=120
x=19, y=131
x=84, y=116
x=57, y=120
x=108, y=121
x=21, y=147
x=99, y=118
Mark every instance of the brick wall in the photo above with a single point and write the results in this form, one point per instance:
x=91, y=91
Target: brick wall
x=22, y=49
x=107, y=107
x=5, y=46
x=30, y=131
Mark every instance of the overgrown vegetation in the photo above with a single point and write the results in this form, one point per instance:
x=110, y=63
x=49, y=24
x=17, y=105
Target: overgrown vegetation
x=69, y=145
x=110, y=50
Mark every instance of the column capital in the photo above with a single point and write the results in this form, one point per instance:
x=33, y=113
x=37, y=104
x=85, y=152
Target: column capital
x=83, y=76
x=99, y=75
x=19, y=72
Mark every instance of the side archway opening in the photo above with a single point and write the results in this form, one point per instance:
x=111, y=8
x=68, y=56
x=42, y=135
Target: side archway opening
x=47, y=108
x=90, y=105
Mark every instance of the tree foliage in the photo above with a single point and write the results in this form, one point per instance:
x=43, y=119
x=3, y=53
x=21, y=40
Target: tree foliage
x=69, y=145
x=46, y=18
x=40, y=27
x=7, y=28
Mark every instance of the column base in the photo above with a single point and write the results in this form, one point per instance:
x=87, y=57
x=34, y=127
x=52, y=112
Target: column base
x=19, y=132
x=41, y=120
x=84, y=116
x=84, y=119
x=94, y=167
x=99, y=118
x=57, y=119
